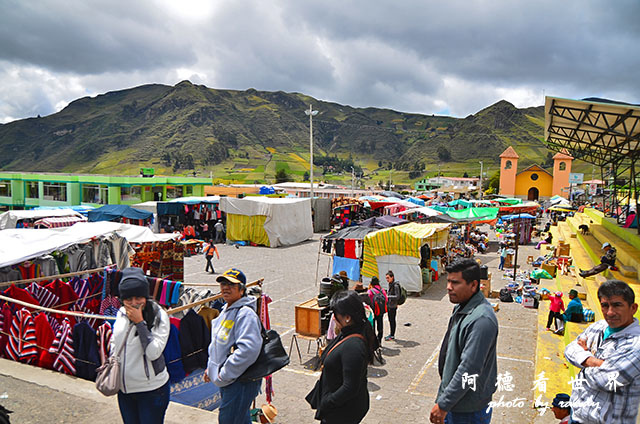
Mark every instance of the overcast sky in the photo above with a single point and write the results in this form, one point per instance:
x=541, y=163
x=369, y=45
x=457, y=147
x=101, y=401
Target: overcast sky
x=451, y=57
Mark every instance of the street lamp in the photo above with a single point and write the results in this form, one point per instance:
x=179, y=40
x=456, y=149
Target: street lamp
x=311, y=114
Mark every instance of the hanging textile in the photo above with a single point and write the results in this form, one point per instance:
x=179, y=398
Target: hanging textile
x=266, y=322
x=21, y=346
x=351, y=266
x=62, y=349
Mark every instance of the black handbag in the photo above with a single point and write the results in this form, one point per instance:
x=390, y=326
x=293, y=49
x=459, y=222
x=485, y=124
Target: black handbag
x=272, y=358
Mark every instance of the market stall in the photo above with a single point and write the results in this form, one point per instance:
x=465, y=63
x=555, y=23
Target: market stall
x=268, y=221
x=25, y=219
x=121, y=213
x=200, y=213
x=399, y=249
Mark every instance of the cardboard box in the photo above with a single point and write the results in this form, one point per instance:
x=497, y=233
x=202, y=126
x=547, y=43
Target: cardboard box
x=528, y=302
x=562, y=250
x=494, y=294
x=486, y=290
x=550, y=268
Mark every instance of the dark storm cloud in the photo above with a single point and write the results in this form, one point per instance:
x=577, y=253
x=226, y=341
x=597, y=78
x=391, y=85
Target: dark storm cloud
x=88, y=37
x=415, y=56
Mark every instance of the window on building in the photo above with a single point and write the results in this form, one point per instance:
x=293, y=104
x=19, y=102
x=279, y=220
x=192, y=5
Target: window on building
x=189, y=190
x=562, y=166
x=55, y=191
x=507, y=165
x=534, y=177
x=32, y=190
x=94, y=193
x=174, y=192
x=129, y=194
x=5, y=188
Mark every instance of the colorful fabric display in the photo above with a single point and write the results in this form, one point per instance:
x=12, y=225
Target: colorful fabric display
x=62, y=349
x=104, y=339
x=350, y=249
x=19, y=294
x=351, y=266
x=42, y=295
x=21, y=346
x=44, y=340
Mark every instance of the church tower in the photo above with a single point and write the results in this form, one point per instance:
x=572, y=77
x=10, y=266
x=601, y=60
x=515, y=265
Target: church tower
x=508, y=170
x=561, y=171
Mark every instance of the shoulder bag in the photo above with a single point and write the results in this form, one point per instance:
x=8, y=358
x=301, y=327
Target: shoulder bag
x=272, y=357
x=108, y=374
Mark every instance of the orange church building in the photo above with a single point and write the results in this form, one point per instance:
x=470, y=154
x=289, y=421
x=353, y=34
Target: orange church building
x=534, y=183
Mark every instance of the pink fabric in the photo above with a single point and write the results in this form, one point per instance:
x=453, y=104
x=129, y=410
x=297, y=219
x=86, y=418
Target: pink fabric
x=557, y=304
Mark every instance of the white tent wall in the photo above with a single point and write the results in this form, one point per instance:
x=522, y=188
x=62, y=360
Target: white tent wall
x=288, y=221
x=406, y=271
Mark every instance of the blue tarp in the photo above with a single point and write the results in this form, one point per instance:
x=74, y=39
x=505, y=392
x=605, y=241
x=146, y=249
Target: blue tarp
x=267, y=190
x=351, y=266
x=111, y=212
x=83, y=209
x=416, y=201
x=516, y=216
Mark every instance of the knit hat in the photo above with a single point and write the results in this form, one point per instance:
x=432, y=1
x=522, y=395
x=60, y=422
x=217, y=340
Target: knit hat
x=561, y=401
x=573, y=292
x=133, y=284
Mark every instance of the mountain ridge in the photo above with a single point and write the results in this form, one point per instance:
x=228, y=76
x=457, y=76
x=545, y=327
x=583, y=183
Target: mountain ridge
x=192, y=127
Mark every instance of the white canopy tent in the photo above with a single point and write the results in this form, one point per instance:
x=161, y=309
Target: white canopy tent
x=18, y=245
x=9, y=219
x=287, y=222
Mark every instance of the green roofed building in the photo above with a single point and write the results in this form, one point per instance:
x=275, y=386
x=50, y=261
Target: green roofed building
x=30, y=190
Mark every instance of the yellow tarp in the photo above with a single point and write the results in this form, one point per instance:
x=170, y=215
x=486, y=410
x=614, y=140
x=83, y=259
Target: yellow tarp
x=404, y=240
x=247, y=228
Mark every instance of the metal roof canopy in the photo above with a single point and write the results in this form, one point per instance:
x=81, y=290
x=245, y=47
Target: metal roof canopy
x=600, y=132
x=595, y=132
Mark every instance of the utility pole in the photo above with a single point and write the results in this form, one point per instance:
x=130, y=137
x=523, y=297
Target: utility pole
x=480, y=180
x=311, y=114
x=352, y=178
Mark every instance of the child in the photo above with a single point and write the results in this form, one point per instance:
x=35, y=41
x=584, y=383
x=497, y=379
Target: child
x=556, y=306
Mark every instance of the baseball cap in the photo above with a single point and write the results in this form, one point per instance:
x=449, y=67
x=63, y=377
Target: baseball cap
x=233, y=275
x=606, y=244
x=558, y=294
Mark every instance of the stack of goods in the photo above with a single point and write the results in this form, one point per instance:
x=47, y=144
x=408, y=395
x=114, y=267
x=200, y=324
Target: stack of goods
x=163, y=259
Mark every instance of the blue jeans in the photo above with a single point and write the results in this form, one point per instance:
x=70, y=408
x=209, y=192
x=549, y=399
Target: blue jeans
x=236, y=402
x=501, y=266
x=477, y=417
x=144, y=407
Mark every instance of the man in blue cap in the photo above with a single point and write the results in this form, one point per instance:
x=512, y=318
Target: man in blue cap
x=561, y=408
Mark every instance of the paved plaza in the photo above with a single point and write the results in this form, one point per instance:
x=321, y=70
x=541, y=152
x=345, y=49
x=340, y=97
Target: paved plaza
x=402, y=391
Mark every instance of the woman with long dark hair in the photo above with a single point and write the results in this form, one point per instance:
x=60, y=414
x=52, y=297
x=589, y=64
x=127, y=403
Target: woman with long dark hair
x=341, y=394
x=143, y=327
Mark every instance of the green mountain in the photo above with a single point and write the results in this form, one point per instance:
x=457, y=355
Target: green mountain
x=249, y=135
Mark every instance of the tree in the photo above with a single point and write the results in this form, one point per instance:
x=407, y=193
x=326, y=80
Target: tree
x=444, y=154
x=494, y=182
x=305, y=176
x=379, y=164
x=465, y=175
x=282, y=176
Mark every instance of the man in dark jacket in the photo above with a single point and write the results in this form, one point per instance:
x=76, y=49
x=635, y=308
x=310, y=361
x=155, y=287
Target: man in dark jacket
x=467, y=361
x=606, y=261
x=393, y=295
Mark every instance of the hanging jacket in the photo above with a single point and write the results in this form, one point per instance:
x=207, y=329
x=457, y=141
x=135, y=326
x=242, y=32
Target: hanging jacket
x=44, y=340
x=85, y=350
x=21, y=346
x=62, y=349
x=173, y=356
x=194, y=341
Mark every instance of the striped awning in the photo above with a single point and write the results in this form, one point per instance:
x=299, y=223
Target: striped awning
x=59, y=221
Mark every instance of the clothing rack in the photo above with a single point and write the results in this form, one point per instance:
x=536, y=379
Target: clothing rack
x=55, y=277
x=207, y=299
x=107, y=317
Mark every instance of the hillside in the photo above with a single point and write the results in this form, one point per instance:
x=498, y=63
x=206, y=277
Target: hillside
x=248, y=135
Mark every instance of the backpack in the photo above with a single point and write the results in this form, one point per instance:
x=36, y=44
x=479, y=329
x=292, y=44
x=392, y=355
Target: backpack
x=505, y=295
x=403, y=295
x=379, y=302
